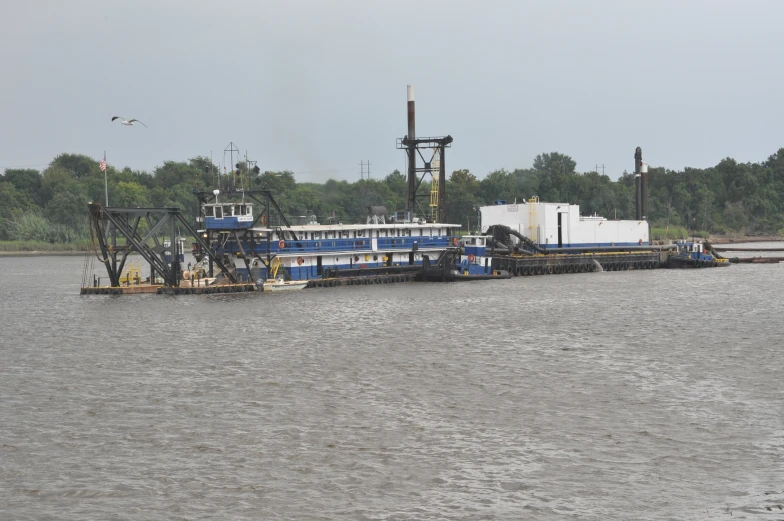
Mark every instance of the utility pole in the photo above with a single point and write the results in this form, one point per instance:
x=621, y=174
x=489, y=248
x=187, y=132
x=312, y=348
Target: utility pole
x=597, y=168
x=362, y=166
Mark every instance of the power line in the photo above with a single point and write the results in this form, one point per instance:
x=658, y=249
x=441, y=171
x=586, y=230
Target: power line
x=6, y=167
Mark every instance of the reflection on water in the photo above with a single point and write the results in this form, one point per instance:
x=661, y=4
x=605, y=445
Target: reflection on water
x=618, y=395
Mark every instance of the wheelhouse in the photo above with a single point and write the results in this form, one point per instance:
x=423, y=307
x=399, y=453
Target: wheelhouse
x=227, y=216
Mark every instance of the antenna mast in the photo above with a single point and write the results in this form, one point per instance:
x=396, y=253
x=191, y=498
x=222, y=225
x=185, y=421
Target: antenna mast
x=231, y=148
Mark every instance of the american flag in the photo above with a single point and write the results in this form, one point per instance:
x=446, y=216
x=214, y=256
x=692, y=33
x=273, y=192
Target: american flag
x=103, y=163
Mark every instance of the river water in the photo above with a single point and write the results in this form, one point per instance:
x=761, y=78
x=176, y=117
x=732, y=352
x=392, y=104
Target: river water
x=621, y=395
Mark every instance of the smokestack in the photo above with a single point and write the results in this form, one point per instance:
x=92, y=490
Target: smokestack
x=411, y=112
x=637, y=183
x=644, y=191
x=411, y=190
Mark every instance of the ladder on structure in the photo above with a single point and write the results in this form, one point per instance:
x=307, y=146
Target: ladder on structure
x=435, y=166
x=533, y=203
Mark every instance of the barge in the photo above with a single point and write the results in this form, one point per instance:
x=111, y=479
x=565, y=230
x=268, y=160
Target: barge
x=540, y=238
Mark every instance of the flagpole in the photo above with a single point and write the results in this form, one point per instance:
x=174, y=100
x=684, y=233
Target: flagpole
x=105, y=179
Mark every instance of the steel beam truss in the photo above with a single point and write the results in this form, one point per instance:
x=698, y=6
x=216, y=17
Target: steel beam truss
x=117, y=232
x=413, y=148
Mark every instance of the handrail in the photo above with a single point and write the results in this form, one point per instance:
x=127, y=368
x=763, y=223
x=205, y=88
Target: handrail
x=363, y=244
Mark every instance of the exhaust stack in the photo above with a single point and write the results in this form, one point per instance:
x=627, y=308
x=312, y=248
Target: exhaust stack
x=414, y=146
x=638, y=183
x=411, y=112
x=644, y=190
x=412, y=177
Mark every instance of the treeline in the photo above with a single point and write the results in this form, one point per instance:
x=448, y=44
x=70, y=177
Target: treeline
x=740, y=198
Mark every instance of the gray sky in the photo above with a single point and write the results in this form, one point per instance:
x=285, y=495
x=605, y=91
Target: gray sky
x=318, y=86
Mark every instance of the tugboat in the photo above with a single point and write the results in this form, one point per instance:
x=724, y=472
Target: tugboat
x=691, y=254
x=466, y=260
x=474, y=263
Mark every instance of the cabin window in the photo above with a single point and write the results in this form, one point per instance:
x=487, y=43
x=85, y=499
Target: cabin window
x=208, y=211
x=345, y=234
x=238, y=210
x=227, y=211
x=218, y=212
x=316, y=236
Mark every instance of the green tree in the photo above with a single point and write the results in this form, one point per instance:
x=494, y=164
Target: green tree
x=68, y=209
x=556, y=173
x=129, y=194
x=78, y=165
x=463, y=200
x=30, y=182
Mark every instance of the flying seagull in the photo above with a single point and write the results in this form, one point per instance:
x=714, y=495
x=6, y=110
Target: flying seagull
x=127, y=122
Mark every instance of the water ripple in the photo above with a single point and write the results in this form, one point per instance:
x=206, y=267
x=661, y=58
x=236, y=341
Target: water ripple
x=624, y=395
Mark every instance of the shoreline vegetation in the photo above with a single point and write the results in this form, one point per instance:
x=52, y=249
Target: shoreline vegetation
x=46, y=211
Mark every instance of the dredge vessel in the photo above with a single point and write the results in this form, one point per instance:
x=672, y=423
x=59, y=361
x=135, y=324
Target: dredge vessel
x=394, y=248
x=245, y=241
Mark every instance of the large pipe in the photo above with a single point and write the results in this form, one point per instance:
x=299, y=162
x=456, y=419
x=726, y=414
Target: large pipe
x=637, y=183
x=609, y=249
x=411, y=190
x=722, y=248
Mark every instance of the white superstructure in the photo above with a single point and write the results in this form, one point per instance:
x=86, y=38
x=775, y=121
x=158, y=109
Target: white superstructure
x=560, y=225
